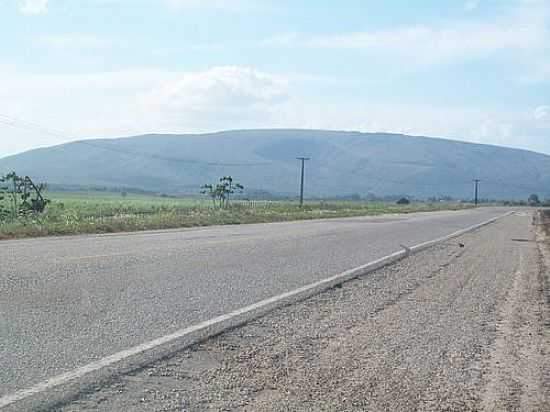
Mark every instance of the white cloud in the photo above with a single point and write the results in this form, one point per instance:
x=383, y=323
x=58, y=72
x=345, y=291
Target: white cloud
x=135, y=101
x=439, y=44
x=222, y=97
x=33, y=6
x=132, y=102
x=82, y=105
x=518, y=33
x=505, y=127
x=542, y=113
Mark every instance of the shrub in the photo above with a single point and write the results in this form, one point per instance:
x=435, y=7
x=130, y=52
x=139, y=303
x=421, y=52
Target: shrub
x=533, y=200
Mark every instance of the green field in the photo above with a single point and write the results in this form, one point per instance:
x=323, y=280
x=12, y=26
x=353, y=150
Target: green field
x=82, y=212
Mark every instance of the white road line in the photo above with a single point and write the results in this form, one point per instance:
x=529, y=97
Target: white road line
x=301, y=292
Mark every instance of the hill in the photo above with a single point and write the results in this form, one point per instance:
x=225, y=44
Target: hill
x=341, y=163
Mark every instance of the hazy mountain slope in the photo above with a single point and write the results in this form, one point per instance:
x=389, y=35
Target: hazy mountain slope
x=342, y=163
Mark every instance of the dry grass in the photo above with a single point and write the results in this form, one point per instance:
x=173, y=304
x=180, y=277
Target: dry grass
x=81, y=213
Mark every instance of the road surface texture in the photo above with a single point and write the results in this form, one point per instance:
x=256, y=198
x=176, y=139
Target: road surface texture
x=448, y=329
x=65, y=302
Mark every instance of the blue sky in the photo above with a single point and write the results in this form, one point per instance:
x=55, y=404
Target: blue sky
x=463, y=69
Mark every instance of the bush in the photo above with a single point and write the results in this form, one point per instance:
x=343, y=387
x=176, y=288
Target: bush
x=403, y=201
x=533, y=200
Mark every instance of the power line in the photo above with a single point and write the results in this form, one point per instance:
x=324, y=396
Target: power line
x=22, y=124
x=113, y=148
x=460, y=183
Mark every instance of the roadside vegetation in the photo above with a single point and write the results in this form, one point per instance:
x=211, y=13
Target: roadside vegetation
x=21, y=200
x=77, y=213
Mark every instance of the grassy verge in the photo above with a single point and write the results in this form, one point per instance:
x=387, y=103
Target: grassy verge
x=82, y=213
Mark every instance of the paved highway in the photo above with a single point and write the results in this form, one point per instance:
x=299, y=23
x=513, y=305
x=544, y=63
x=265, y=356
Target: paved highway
x=65, y=302
x=447, y=329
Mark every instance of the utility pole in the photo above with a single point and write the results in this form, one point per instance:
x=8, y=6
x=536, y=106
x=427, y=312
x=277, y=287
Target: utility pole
x=303, y=159
x=476, y=181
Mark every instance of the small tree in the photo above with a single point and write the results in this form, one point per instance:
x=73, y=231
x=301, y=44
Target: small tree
x=12, y=186
x=227, y=188
x=210, y=191
x=222, y=191
x=19, y=196
x=533, y=200
x=403, y=201
x=4, y=211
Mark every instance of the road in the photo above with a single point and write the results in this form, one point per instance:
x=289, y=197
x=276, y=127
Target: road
x=446, y=329
x=65, y=302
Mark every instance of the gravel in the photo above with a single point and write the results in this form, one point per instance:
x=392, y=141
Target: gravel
x=451, y=328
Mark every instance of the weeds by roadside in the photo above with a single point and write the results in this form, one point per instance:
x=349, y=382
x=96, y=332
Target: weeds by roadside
x=68, y=215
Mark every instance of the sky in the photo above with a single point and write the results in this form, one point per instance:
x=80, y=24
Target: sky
x=473, y=70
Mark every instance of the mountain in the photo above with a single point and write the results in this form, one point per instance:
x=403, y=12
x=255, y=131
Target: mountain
x=341, y=163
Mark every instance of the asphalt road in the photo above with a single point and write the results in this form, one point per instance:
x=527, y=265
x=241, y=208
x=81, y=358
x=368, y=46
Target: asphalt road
x=65, y=302
x=447, y=329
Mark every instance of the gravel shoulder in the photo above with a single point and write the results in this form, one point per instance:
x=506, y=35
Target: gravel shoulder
x=451, y=328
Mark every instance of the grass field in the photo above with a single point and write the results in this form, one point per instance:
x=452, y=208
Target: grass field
x=77, y=213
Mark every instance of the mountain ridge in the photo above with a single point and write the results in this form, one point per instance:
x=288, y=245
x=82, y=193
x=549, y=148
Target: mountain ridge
x=343, y=162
